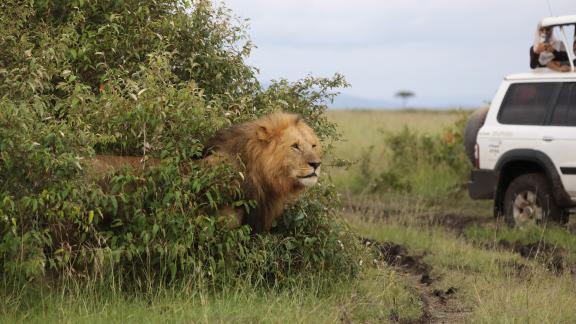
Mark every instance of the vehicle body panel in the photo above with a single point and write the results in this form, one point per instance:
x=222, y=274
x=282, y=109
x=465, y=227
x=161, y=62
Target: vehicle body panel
x=496, y=139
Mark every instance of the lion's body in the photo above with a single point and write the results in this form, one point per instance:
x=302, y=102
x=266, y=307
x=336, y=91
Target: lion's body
x=100, y=165
x=279, y=156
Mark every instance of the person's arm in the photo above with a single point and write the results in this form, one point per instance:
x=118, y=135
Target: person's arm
x=533, y=58
x=560, y=56
x=556, y=66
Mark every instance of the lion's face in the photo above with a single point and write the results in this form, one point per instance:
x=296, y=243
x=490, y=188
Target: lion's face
x=295, y=150
x=302, y=154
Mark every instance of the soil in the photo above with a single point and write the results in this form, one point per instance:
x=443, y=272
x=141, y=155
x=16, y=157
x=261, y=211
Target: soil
x=438, y=305
x=368, y=210
x=453, y=221
x=553, y=257
x=458, y=222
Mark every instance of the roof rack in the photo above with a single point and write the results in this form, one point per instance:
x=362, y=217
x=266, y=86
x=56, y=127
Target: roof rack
x=558, y=21
x=561, y=22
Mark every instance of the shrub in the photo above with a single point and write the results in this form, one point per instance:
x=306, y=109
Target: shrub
x=431, y=165
x=154, y=79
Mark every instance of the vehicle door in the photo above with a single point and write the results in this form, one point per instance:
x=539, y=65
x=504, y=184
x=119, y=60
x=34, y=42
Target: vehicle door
x=559, y=136
x=521, y=117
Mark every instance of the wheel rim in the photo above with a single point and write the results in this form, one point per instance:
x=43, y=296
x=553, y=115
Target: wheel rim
x=527, y=209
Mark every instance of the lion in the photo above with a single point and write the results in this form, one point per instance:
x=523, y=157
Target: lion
x=279, y=156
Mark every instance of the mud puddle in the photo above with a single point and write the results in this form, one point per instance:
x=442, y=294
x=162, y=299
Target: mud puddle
x=397, y=255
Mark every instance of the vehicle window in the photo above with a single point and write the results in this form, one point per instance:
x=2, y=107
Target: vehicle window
x=527, y=103
x=565, y=111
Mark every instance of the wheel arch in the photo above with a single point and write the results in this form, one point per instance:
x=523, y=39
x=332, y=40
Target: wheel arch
x=521, y=161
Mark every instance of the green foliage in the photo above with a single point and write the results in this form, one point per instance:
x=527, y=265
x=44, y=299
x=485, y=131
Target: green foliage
x=152, y=79
x=99, y=40
x=424, y=164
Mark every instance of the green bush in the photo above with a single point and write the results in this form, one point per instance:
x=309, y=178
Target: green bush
x=152, y=79
x=429, y=165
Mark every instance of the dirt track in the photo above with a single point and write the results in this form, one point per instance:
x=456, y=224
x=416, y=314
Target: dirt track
x=455, y=222
x=438, y=306
x=442, y=306
x=552, y=257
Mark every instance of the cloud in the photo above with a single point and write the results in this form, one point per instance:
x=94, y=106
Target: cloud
x=440, y=49
x=340, y=23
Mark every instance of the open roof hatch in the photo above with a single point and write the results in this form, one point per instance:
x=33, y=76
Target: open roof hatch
x=561, y=22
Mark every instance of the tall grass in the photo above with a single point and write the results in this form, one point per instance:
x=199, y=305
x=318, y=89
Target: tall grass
x=415, y=159
x=375, y=296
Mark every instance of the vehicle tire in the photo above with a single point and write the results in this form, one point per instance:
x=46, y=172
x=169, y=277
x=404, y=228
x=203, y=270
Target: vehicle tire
x=528, y=200
x=473, y=125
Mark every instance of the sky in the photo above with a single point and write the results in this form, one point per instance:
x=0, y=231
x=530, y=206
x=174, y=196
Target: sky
x=450, y=53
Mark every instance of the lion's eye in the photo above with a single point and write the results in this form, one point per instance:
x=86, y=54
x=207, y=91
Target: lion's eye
x=296, y=146
x=313, y=145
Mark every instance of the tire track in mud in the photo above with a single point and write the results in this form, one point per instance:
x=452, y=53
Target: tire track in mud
x=441, y=306
x=438, y=306
x=553, y=257
x=453, y=221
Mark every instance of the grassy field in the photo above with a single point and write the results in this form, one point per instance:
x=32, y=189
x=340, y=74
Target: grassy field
x=498, y=275
x=371, y=298
x=363, y=135
x=476, y=269
x=444, y=260
x=362, y=129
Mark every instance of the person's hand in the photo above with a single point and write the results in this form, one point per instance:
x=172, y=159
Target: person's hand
x=540, y=48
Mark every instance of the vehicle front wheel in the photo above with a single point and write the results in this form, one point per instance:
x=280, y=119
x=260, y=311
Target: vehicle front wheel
x=529, y=200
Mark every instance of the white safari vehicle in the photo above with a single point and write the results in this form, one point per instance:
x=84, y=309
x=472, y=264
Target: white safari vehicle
x=523, y=146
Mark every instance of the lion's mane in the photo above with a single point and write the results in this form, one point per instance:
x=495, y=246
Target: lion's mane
x=275, y=169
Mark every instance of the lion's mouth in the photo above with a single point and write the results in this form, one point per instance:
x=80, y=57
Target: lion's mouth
x=311, y=175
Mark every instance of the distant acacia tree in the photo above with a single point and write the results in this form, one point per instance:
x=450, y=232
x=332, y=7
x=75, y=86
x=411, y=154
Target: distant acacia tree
x=405, y=95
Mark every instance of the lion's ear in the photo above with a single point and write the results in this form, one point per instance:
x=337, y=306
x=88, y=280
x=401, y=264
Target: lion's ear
x=298, y=119
x=263, y=134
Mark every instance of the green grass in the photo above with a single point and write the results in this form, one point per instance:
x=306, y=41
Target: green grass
x=551, y=234
x=442, y=248
x=489, y=280
x=363, y=143
x=494, y=283
x=362, y=129
x=373, y=297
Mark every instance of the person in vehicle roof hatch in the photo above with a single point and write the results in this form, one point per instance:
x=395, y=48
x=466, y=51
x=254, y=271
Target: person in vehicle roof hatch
x=548, y=52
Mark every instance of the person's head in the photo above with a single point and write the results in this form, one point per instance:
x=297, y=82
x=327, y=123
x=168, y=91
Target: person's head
x=542, y=35
x=545, y=34
x=547, y=31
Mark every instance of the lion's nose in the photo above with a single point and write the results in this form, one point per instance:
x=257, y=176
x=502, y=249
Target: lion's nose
x=315, y=165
